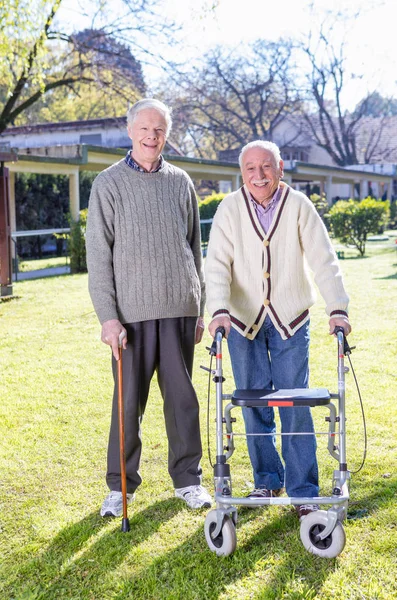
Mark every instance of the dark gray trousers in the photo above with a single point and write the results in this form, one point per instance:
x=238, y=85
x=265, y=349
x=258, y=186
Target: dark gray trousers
x=165, y=346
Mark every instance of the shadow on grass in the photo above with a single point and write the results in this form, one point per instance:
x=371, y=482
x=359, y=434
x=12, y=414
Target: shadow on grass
x=384, y=491
x=394, y=276
x=70, y=563
x=274, y=557
x=193, y=571
x=270, y=563
x=355, y=257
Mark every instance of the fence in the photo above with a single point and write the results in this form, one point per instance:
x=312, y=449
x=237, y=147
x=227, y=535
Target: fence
x=16, y=235
x=205, y=226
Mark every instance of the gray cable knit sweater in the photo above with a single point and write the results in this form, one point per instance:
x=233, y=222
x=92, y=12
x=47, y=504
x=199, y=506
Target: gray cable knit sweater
x=143, y=245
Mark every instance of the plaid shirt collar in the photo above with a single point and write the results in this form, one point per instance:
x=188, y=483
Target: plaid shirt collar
x=134, y=165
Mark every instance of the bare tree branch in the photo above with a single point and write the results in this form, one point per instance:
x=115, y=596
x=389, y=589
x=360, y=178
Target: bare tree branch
x=233, y=98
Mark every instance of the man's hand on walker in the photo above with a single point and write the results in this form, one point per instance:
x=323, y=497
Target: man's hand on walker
x=339, y=322
x=222, y=321
x=110, y=335
x=199, y=330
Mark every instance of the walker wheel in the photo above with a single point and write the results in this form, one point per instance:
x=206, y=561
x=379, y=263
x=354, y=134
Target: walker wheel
x=313, y=524
x=225, y=543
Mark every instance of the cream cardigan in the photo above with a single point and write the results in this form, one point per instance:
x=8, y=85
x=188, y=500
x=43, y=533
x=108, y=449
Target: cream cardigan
x=250, y=273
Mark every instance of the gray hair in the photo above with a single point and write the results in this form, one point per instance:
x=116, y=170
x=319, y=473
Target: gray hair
x=150, y=103
x=268, y=146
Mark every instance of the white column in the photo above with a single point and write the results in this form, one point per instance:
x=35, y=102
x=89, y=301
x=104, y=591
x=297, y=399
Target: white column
x=328, y=189
x=351, y=190
x=74, y=195
x=13, y=218
x=236, y=182
x=363, y=193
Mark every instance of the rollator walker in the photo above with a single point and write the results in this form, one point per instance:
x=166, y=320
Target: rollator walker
x=321, y=531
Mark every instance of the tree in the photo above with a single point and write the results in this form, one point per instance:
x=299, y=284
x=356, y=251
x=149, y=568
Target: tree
x=353, y=221
x=378, y=106
x=234, y=98
x=349, y=137
x=38, y=57
x=117, y=80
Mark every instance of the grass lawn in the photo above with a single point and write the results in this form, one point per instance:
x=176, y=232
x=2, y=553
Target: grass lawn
x=54, y=420
x=42, y=263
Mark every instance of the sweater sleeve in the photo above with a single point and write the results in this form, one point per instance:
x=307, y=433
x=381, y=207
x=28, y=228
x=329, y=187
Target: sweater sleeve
x=194, y=239
x=218, y=264
x=322, y=259
x=99, y=245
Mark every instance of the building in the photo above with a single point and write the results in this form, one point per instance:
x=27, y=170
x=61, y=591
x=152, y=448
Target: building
x=70, y=147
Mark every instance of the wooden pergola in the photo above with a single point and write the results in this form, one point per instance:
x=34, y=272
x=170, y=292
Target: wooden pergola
x=70, y=160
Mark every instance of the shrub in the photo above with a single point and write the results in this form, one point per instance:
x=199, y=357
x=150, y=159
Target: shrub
x=209, y=205
x=351, y=221
x=78, y=259
x=321, y=204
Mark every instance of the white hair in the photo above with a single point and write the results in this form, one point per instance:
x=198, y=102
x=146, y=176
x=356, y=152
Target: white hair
x=150, y=103
x=268, y=146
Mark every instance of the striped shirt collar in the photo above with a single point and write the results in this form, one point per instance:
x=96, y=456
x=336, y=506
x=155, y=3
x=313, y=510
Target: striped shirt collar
x=134, y=165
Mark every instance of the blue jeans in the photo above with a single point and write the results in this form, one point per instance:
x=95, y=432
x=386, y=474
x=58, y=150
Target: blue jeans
x=268, y=361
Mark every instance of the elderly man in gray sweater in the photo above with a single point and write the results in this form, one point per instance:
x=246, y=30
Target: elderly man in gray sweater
x=146, y=279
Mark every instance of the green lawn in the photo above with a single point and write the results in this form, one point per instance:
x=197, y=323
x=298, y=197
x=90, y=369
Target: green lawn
x=54, y=419
x=42, y=263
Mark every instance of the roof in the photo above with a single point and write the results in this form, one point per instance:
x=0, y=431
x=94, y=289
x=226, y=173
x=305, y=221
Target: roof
x=62, y=125
x=105, y=123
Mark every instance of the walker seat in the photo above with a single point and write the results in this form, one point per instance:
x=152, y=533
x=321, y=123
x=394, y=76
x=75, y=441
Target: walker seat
x=295, y=397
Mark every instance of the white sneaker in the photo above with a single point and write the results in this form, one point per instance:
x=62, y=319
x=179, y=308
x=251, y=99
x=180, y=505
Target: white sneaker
x=113, y=504
x=195, y=496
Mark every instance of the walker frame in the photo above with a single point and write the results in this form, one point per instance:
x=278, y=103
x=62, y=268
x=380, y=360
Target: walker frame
x=321, y=531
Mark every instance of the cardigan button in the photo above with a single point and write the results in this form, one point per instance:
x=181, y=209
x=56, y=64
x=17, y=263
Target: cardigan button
x=266, y=242
x=266, y=275
x=266, y=302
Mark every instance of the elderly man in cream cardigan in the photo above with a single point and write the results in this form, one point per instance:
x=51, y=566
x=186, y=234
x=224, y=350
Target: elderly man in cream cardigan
x=262, y=238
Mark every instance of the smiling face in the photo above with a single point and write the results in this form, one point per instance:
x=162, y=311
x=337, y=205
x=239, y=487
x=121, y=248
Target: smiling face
x=261, y=174
x=148, y=135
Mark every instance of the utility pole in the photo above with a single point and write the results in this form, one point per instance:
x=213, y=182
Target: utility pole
x=6, y=155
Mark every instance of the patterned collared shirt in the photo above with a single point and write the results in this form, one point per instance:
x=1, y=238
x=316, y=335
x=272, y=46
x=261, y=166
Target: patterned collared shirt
x=134, y=165
x=265, y=214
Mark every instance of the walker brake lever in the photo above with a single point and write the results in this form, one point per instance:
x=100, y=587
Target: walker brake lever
x=212, y=350
x=347, y=350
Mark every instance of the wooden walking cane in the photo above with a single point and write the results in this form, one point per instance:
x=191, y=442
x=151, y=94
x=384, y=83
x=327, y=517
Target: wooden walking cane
x=125, y=524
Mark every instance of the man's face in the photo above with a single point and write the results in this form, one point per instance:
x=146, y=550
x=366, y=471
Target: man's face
x=148, y=135
x=261, y=174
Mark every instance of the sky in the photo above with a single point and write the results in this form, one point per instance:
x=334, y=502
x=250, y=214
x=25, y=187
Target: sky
x=370, y=37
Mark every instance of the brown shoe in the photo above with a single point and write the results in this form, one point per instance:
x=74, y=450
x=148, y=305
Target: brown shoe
x=265, y=493
x=305, y=509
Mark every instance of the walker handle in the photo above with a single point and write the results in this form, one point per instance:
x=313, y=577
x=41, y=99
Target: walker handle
x=219, y=330
x=338, y=329
x=346, y=348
